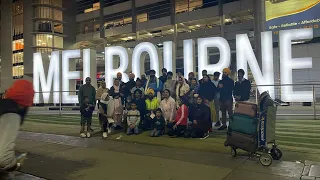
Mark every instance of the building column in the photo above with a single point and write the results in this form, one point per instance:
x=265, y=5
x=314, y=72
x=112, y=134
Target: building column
x=6, y=45
x=222, y=17
x=175, y=34
x=102, y=31
x=259, y=12
x=29, y=39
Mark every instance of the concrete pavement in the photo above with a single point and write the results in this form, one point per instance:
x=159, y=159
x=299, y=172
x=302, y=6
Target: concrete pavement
x=65, y=157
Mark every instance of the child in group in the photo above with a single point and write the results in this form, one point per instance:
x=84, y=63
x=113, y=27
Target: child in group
x=158, y=124
x=179, y=126
x=152, y=104
x=86, y=110
x=133, y=120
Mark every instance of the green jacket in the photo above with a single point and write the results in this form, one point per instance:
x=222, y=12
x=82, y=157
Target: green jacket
x=87, y=91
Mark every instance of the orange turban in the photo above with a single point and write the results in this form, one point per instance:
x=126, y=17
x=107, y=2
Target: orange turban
x=21, y=91
x=226, y=70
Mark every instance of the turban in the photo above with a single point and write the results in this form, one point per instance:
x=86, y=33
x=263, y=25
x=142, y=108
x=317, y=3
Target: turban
x=119, y=73
x=21, y=91
x=150, y=91
x=226, y=70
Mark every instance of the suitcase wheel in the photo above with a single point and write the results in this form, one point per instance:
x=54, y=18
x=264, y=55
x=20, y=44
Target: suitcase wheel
x=233, y=152
x=265, y=159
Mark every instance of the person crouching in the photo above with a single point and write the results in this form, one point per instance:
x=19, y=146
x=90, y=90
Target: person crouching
x=179, y=126
x=86, y=110
x=158, y=124
x=133, y=120
x=106, y=110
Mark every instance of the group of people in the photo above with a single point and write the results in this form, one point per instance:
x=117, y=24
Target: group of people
x=176, y=106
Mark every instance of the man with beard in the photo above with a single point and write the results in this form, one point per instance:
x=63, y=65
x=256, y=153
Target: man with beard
x=154, y=83
x=242, y=87
x=13, y=110
x=226, y=86
x=163, y=78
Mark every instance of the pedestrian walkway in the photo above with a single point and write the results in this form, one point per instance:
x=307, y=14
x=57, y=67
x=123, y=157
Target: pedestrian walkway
x=64, y=157
x=299, y=139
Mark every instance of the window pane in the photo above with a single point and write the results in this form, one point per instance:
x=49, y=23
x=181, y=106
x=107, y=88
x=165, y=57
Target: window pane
x=58, y=42
x=44, y=40
x=18, y=45
x=57, y=15
x=17, y=58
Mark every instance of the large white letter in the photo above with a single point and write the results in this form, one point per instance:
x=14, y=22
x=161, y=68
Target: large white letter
x=169, y=56
x=245, y=55
x=287, y=64
x=224, y=49
x=67, y=75
x=189, y=57
x=138, y=59
x=90, y=66
x=39, y=77
x=110, y=72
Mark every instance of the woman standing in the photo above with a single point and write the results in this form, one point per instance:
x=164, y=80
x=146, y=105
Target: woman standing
x=208, y=91
x=182, y=88
x=118, y=107
x=106, y=110
x=200, y=117
x=168, y=107
x=170, y=84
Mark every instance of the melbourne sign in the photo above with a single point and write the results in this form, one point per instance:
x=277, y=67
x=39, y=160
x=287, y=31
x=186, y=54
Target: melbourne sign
x=60, y=74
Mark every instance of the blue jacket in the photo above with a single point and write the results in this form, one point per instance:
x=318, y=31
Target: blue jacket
x=227, y=89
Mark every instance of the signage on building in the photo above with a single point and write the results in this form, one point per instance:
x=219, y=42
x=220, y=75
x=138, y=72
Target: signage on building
x=58, y=79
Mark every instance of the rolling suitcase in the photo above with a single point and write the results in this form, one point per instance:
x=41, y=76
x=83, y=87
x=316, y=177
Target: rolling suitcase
x=243, y=124
x=242, y=141
x=246, y=108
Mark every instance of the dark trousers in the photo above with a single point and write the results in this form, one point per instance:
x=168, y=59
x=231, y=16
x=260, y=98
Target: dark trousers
x=226, y=106
x=179, y=131
x=104, y=123
x=198, y=133
x=146, y=123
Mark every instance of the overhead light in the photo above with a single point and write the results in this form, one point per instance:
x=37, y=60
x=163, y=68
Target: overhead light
x=198, y=25
x=130, y=37
x=149, y=34
x=228, y=20
x=108, y=44
x=102, y=52
x=49, y=36
x=171, y=30
x=39, y=40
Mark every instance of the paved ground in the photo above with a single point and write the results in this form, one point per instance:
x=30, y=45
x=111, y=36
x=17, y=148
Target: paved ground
x=62, y=158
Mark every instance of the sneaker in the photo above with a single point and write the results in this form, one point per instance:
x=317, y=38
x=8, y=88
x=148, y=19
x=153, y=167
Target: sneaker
x=205, y=136
x=218, y=124
x=109, y=130
x=104, y=134
x=88, y=134
x=223, y=127
x=83, y=135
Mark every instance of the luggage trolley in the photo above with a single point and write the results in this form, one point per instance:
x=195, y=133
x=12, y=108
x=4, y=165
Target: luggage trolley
x=255, y=132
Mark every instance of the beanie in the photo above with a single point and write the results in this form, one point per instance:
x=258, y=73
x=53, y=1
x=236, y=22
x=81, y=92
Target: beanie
x=21, y=91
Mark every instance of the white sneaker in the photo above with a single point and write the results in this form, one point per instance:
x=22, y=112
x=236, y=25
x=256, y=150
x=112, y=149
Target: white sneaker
x=104, y=134
x=109, y=130
x=83, y=135
x=88, y=135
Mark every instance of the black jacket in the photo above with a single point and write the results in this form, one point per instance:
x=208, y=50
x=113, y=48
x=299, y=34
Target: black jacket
x=141, y=106
x=158, y=124
x=227, y=89
x=200, y=113
x=242, y=89
x=130, y=84
x=10, y=106
x=86, y=110
x=207, y=90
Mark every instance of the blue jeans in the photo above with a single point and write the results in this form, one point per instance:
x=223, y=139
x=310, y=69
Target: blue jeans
x=134, y=130
x=155, y=133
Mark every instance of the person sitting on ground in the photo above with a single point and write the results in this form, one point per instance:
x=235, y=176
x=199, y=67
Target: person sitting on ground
x=140, y=102
x=152, y=104
x=158, y=124
x=13, y=110
x=242, y=87
x=86, y=110
x=168, y=107
x=178, y=127
x=170, y=84
x=200, y=118
x=133, y=120
x=106, y=110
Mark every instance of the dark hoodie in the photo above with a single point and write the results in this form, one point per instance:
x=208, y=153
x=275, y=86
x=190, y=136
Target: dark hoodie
x=207, y=90
x=158, y=124
x=200, y=113
x=227, y=89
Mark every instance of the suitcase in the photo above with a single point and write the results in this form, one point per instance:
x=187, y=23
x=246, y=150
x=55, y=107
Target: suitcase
x=246, y=108
x=242, y=141
x=243, y=124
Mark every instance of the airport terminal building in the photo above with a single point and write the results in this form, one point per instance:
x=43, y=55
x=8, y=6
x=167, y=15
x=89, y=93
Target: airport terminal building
x=30, y=26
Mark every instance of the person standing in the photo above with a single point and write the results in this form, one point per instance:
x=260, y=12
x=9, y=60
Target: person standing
x=131, y=83
x=163, y=78
x=168, y=107
x=140, y=102
x=242, y=87
x=226, y=86
x=216, y=81
x=102, y=89
x=204, y=72
x=119, y=77
x=155, y=84
x=116, y=94
x=87, y=90
x=182, y=88
x=143, y=80
x=138, y=86
x=194, y=89
x=170, y=84
x=191, y=76
x=106, y=111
